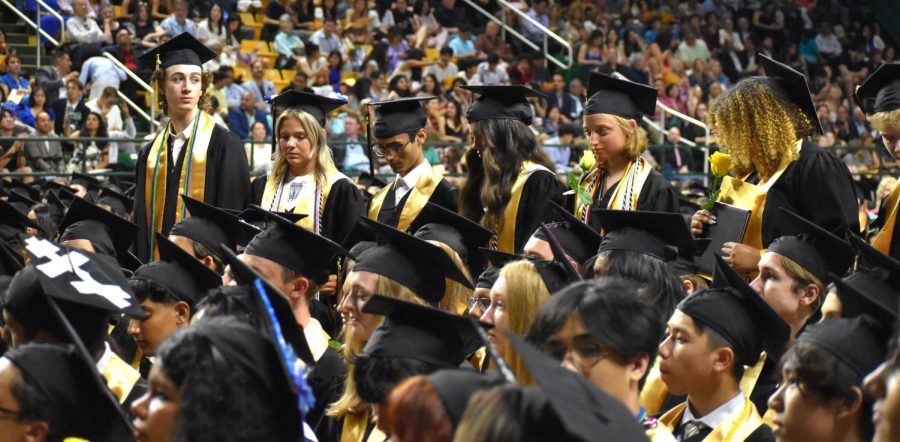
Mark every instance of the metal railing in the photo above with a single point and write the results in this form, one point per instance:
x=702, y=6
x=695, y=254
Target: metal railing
x=34, y=26
x=504, y=27
x=62, y=27
x=136, y=108
x=143, y=84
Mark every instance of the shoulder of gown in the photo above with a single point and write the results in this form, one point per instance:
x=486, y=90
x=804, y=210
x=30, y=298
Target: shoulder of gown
x=658, y=195
x=540, y=187
x=344, y=207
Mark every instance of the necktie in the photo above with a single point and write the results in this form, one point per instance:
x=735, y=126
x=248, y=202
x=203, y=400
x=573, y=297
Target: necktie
x=694, y=430
x=677, y=157
x=399, y=190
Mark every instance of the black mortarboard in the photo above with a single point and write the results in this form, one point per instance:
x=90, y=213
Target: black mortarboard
x=262, y=219
x=212, y=226
x=177, y=271
x=871, y=258
x=860, y=343
x=10, y=261
x=76, y=392
x=487, y=278
x=55, y=185
x=461, y=234
x=87, y=181
x=21, y=202
x=790, y=85
x=368, y=180
x=118, y=203
x=316, y=105
x=873, y=290
x=499, y=259
x=583, y=410
x=16, y=186
x=554, y=274
x=687, y=263
x=290, y=329
x=455, y=387
x=578, y=239
x=400, y=116
x=881, y=91
x=182, y=49
x=815, y=249
x=651, y=233
x=300, y=250
x=624, y=98
x=419, y=332
x=110, y=234
x=13, y=224
x=410, y=261
x=501, y=103
x=739, y=315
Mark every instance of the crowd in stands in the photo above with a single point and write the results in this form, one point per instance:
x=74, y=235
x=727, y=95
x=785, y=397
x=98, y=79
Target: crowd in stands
x=366, y=51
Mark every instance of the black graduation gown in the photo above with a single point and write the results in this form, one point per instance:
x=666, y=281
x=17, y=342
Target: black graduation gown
x=444, y=195
x=327, y=383
x=227, y=183
x=657, y=195
x=541, y=186
x=818, y=187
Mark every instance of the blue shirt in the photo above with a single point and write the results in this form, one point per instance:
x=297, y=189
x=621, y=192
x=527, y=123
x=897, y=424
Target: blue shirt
x=355, y=159
x=100, y=69
x=11, y=84
x=462, y=47
x=174, y=29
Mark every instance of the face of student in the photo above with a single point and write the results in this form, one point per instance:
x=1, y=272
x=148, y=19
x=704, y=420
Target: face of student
x=183, y=88
x=606, y=139
x=497, y=314
x=883, y=384
x=405, y=158
x=801, y=415
x=156, y=411
x=584, y=355
x=778, y=289
x=685, y=355
x=12, y=427
x=891, y=138
x=295, y=145
x=359, y=287
x=162, y=320
x=538, y=248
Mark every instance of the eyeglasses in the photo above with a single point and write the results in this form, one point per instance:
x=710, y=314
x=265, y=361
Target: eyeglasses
x=481, y=303
x=587, y=352
x=395, y=148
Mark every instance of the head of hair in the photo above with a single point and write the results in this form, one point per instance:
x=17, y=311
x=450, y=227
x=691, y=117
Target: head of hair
x=717, y=341
x=101, y=126
x=375, y=376
x=44, y=217
x=662, y=288
x=34, y=90
x=446, y=50
x=414, y=411
x=109, y=92
x=437, y=85
x=316, y=136
x=76, y=82
x=495, y=415
x=802, y=277
x=526, y=293
x=145, y=289
x=227, y=301
x=34, y=404
x=59, y=55
x=552, y=316
x=455, y=293
x=206, y=79
x=882, y=121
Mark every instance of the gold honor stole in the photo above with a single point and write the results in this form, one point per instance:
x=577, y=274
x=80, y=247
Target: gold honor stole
x=417, y=198
x=193, y=175
x=354, y=429
x=506, y=231
x=735, y=427
x=629, y=187
x=654, y=393
x=120, y=377
x=304, y=206
x=882, y=241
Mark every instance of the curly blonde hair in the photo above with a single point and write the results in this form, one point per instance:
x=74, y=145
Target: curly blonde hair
x=881, y=121
x=206, y=79
x=757, y=128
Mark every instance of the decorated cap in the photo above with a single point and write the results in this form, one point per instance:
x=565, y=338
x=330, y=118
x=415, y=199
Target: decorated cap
x=182, y=49
x=881, y=91
x=400, y=116
x=792, y=86
x=815, y=249
x=624, y=98
x=182, y=275
x=501, y=103
x=316, y=105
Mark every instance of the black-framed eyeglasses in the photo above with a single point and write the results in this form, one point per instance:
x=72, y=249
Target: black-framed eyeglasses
x=588, y=352
x=396, y=147
x=481, y=303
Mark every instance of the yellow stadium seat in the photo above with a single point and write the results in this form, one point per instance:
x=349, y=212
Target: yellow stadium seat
x=431, y=53
x=274, y=75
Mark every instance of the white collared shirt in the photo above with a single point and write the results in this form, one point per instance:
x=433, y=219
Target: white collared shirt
x=715, y=417
x=410, y=180
x=105, y=357
x=179, y=139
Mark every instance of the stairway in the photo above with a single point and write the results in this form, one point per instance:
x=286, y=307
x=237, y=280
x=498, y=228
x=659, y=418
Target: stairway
x=21, y=38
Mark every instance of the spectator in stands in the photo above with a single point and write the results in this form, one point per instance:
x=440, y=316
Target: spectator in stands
x=360, y=22
x=428, y=30
x=94, y=154
x=354, y=159
x=538, y=13
x=860, y=127
x=53, y=78
x=70, y=109
x=258, y=85
x=304, y=16
x=551, y=122
x=82, y=29
x=468, y=68
x=3, y=49
x=491, y=42
x=234, y=32
x=143, y=25
x=560, y=99
x=462, y=43
x=13, y=79
x=398, y=87
x=233, y=91
x=217, y=91
x=241, y=119
x=400, y=16
x=692, y=48
x=326, y=39
x=590, y=54
x=179, y=23
x=128, y=55
x=335, y=68
x=12, y=153
x=827, y=42
x=854, y=68
x=559, y=147
x=491, y=72
x=160, y=9
x=37, y=103
x=453, y=125
x=259, y=153
x=397, y=47
x=449, y=15
x=213, y=29
x=271, y=18
x=300, y=84
x=99, y=72
x=107, y=105
x=312, y=64
x=520, y=72
x=288, y=45
x=45, y=155
x=431, y=87
x=444, y=67
x=110, y=24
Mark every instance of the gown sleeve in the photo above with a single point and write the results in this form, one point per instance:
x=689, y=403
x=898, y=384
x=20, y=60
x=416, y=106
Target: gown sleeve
x=227, y=172
x=658, y=195
x=139, y=216
x=257, y=188
x=344, y=207
x=446, y=196
x=541, y=187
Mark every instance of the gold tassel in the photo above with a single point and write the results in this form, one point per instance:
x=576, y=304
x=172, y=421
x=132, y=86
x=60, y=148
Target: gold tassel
x=155, y=99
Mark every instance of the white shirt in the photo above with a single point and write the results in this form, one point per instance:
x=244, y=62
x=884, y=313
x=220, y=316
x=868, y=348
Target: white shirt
x=715, y=417
x=179, y=139
x=410, y=180
x=113, y=117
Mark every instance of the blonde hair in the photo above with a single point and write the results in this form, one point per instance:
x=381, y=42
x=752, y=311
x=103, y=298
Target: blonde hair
x=317, y=139
x=455, y=295
x=881, y=121
x=526, y=293
x=159, y=77
x=349, y=403
x=757, y=128
x=886, y=183
x=635, y=137
x=802, y=277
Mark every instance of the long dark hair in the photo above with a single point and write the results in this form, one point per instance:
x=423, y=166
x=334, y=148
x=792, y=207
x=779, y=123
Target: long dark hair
x=44, y=218
x=393, y=86
x=437, y=85
x=34, y=91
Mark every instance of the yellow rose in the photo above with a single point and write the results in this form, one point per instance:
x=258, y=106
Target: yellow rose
x=587, y=160
x=721, y=163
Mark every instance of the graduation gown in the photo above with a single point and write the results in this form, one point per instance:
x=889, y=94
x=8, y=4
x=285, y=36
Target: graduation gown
x=744, y=425
x=383, y=207
x=540, y=186
x=227, y=182
x=887, y=240
x=655, y=195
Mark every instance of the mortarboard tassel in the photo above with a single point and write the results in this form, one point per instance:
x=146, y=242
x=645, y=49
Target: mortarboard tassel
x=155, y=100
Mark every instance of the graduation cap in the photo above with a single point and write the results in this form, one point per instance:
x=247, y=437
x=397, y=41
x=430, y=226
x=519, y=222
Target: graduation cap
x=281, y=307
x=554, y=273
x=49, y=185
x=400, y=116
x=182, y=275
x=293, y=247
x=815, y=249
x=791, y=86
x=410, y=261
x=77, y=394
x=22, y=189
x=461, y=234
x=860, y=343
x=87, y=181
x=182, y=49
x=651, y=233
x=870, y=257
x=212, y=226
x=13, y=222
x=10, y=261
x=577, y=239
x=316, y=105
x=871, y=291
x=110, y=234
x=261, y=218
x=583, y=410
x=501, y=103
x=739, y=315
x=419, y=332
x=499, y=259
x=455, y=387
x=624, y=98
x=118, y=203
x=881, y=91
x=21, y=202
x=686, y=263
x=368, y=180
x=487, y=278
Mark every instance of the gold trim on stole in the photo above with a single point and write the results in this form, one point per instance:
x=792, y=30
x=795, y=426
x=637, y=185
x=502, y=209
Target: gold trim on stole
x=882, y=241
x=415, y=201
x=618, y=199
x=506, y=231
x=354, y=428
x=735, y=427
x=120, y=377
